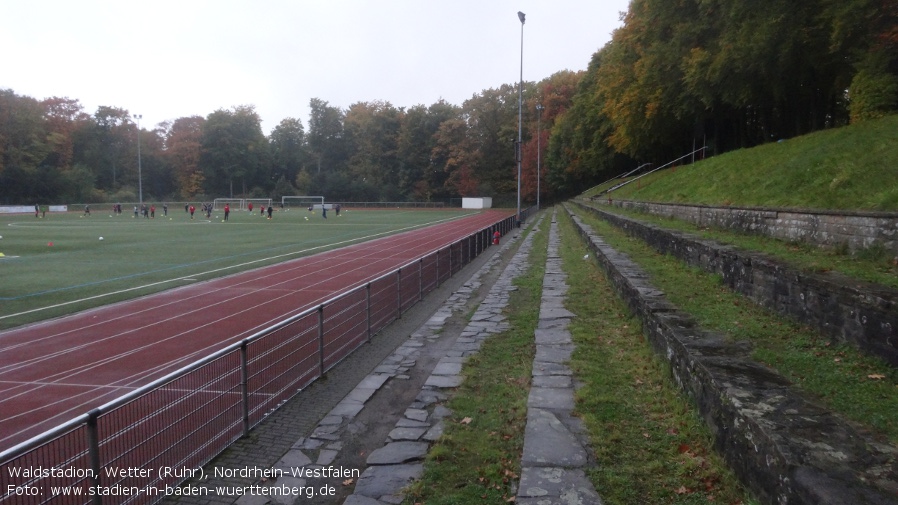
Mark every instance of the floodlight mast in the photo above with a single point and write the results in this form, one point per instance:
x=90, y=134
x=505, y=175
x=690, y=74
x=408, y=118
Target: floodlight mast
x=518, y=151
x=138, y=117
x=539, y=114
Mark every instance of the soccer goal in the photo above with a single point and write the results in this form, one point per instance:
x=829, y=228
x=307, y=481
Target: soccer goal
x=302, y=202
x=233, y=203
x=257, y=202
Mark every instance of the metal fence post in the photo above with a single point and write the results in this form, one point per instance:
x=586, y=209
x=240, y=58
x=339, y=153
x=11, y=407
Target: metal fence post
x=321, y=339
x=93, y=447
x=438, y=269
x=244, y=387
x=420, y=279
x=368, y=309
x=399, y=294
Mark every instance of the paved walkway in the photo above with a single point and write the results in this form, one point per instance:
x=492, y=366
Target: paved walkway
x=555, y=453
x=554, y=456
x=398, y=462
x=332, y=459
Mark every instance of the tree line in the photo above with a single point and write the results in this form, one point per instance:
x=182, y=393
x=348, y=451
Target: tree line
x=724, y=74
x=677, y=75
x=53, y=151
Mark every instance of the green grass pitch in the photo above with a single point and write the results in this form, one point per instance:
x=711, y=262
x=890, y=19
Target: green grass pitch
x=58, y=264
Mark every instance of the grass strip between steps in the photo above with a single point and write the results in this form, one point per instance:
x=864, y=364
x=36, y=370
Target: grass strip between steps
x=478, y=458
x=650, y=444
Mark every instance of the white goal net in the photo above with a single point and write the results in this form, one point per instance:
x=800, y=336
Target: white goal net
x=302, y=202
x=233, y=204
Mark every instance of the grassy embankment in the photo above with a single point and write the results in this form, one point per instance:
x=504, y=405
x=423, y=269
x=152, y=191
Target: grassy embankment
x=851, y=168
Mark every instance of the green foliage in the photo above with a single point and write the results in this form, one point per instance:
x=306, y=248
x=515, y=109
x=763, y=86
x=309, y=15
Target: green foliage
x=234, y=151
x=288, y=149
x=325, y=138
x=79, y=185
x=874, y=90
x=727, y=75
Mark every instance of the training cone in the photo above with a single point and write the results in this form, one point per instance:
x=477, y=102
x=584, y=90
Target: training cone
x=49, y=244
x=1, y=255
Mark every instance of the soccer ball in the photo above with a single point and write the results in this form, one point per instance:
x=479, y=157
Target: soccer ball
x=307, y=218
x=101, y=238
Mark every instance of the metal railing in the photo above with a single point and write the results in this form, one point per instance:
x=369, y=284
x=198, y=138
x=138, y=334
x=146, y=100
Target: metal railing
x=139, y=447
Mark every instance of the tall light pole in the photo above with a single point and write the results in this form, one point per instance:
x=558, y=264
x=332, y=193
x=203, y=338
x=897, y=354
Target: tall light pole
x=539, y=113
x=138, y=117
x=518, y=153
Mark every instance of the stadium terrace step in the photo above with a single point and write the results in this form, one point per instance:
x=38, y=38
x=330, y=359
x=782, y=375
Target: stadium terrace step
x=843, y=309
x=784, y=447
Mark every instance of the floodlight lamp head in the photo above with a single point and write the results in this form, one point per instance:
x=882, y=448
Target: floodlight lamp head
x=521, y=16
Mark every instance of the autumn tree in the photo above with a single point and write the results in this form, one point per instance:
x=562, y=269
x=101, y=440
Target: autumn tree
x=183, y=140
x=554, y=95
x=63, y=116
x=456, y=156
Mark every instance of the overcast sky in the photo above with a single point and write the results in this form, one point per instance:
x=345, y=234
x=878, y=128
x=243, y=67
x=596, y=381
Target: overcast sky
x=167, y=59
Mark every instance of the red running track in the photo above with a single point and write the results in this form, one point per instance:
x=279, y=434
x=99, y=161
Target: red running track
x=54, y=371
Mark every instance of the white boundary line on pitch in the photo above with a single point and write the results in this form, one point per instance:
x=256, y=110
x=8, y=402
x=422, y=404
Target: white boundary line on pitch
x=190, y=277
x=65, y=384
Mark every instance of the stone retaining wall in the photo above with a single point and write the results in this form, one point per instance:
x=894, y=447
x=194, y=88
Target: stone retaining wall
x=843, y=309
x=786, y=449
x=857, y=230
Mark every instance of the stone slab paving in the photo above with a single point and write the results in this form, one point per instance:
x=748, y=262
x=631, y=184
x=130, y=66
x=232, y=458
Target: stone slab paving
x=397, y=463
x=555, y=452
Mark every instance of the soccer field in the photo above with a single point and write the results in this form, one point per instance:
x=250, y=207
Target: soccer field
x=58, y=264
